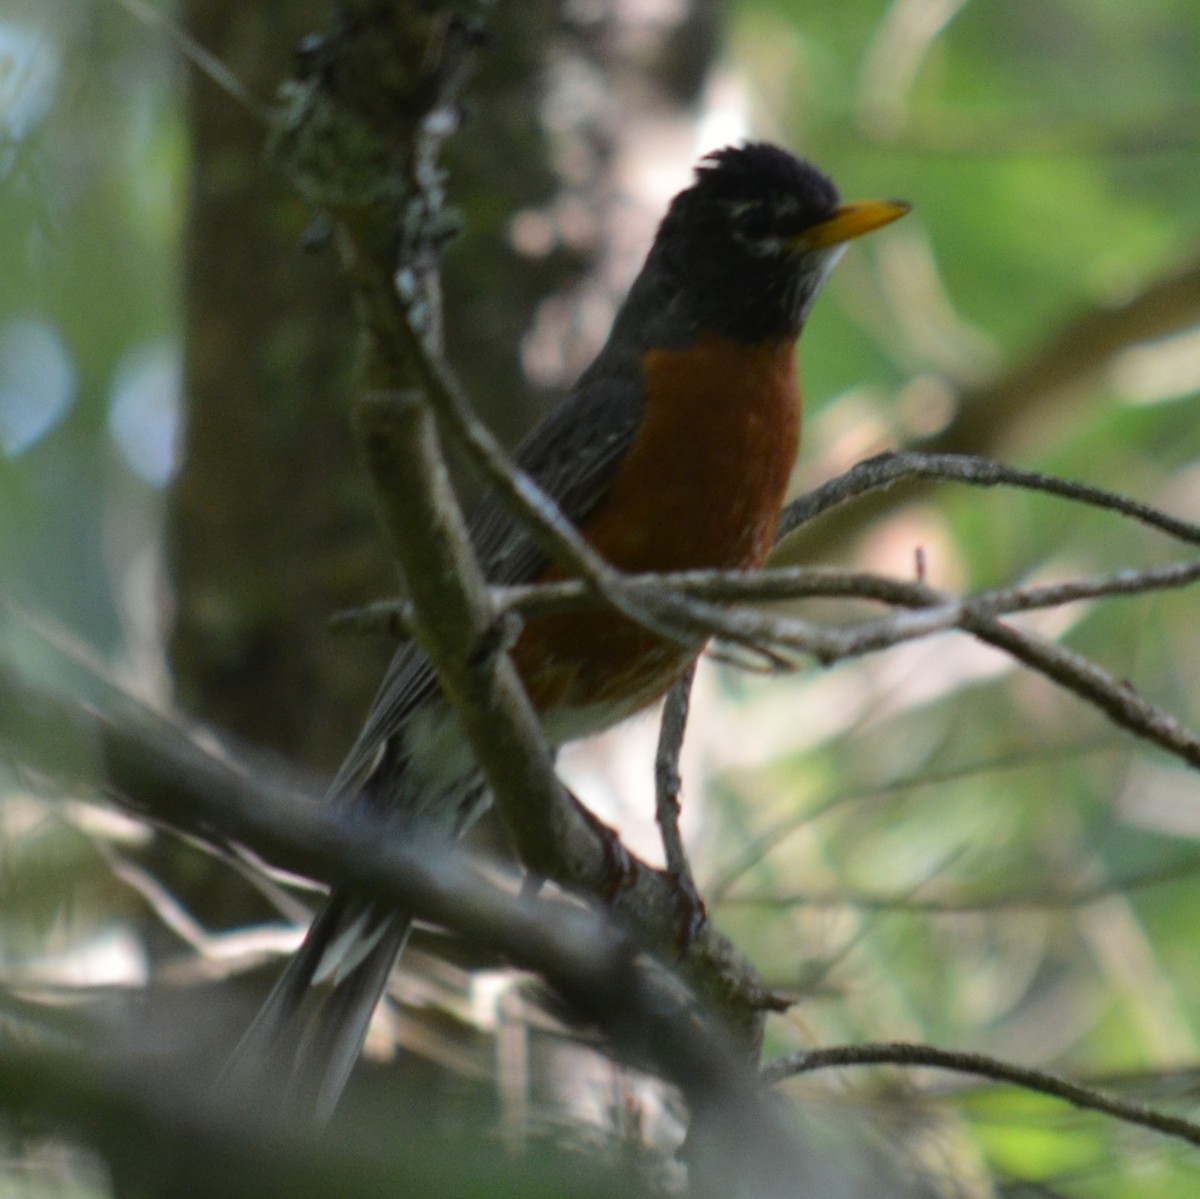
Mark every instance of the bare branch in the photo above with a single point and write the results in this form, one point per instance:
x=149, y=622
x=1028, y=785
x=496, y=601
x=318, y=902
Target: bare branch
x=394, y=617
x=929, y=611
x=901, y=1053
x=1074, y=355
x=329, y=125
x=1119, y=700
x=159, y=1136
x=201, y=58
x=667, y=782
x=884, y=470
x=457, y=627
x=162, y=773
x=552, y=531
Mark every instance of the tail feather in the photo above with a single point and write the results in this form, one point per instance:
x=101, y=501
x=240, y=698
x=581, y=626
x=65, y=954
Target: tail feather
x=308, y=1034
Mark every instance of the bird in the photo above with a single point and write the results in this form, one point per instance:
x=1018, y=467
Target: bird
x=672, y=451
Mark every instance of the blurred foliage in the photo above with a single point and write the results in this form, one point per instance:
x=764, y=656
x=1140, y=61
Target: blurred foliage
x=960, y=854
x=930, y=844
x=91, y=155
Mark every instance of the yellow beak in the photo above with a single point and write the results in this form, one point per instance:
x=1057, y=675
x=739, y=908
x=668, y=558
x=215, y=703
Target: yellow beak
x=851, y=220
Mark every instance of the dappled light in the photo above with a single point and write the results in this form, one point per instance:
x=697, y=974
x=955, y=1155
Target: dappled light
x=927, y=853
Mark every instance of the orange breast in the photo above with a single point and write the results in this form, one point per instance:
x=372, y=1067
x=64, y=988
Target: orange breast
x=702, y=487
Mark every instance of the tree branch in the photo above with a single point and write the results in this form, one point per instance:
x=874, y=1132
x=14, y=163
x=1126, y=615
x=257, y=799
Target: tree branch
x=392, y=618
x=929, y=611
x=667, y=782
x=1075, y=354
x=161, y=773
x=526, y=501
x=905, y=1054
x=884, y=470
x=360, y=136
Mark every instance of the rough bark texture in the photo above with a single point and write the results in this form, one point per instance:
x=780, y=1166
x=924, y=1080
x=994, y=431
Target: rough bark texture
x=272, y=528
x=271, y=523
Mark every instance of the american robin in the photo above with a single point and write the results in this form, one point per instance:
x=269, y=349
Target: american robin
x=672, y=452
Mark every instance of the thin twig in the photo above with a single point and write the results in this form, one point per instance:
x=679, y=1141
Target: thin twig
x=363, y=151
x=555, y=535
x=899, y=1053
x=884, y=470
x=366, y=169
x=667, y=782
x=393, y=617
x=203, y=60
x=1117, y=698
x=161, y=772
x=928, y=611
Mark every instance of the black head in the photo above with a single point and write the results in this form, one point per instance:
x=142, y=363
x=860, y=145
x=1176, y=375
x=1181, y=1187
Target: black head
x=745, y=249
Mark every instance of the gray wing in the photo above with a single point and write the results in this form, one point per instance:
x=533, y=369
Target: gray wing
x=573, y=454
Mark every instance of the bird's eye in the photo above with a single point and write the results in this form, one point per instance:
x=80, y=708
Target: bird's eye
x=753, y=221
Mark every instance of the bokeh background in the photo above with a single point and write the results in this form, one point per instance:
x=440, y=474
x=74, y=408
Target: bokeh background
x=931, y=844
